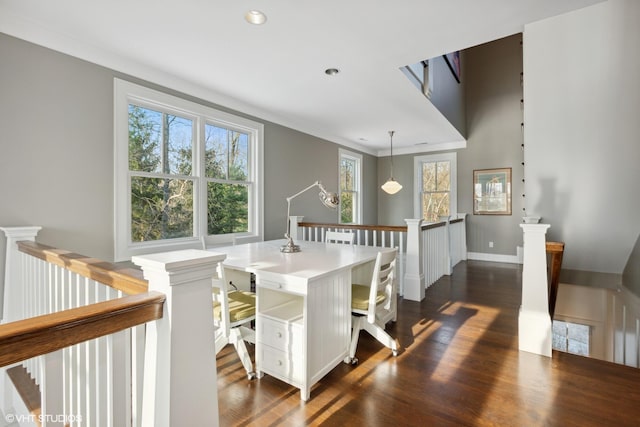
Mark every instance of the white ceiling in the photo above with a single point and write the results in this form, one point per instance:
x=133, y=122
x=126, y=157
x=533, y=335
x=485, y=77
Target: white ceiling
x=276, y=71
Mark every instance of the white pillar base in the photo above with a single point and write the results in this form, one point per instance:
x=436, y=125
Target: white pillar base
x=534, y=332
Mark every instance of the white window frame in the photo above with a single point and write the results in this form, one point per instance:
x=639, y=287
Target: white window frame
x=126, y=93
x=350, y=155
x=452, y=158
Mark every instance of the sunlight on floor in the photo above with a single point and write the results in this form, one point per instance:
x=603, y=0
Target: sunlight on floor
x=455, y=356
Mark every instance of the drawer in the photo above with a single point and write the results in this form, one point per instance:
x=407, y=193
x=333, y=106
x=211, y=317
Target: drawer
x=293, y=287
x=275, y=362
x=285, y=336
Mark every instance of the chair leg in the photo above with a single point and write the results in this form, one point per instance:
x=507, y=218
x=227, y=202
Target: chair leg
x=220, y=340
x=243, y=354
x=381, y=335
x=357, y=323
x=248, y=334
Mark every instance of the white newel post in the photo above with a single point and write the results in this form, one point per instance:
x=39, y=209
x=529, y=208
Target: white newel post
x=448, y=268
x=414, y=274
x=180, y=381
x=12, y=302
x=463, y=239
x=534, y=322
x=295, y=228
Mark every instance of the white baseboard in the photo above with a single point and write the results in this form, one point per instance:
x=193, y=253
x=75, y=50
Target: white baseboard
x=479, y=256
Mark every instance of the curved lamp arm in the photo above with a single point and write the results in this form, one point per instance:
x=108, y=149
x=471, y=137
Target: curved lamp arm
x=327, y=198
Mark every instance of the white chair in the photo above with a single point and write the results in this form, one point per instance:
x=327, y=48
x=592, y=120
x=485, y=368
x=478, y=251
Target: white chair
x=232, y=311
x=339, y=237
x=375, y=304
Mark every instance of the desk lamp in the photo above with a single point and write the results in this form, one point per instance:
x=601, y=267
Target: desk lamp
x=328, y=199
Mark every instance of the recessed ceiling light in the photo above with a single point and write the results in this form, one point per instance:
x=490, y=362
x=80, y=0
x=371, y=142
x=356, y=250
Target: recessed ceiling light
x=331, y=71
x=255, y=17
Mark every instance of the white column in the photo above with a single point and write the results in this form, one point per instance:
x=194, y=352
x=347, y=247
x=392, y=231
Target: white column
x=534, y=321
x=12, y=289
x=448, y=268
x=180, y=381
x=295, y=229
x=463, y=239
x=414, y=275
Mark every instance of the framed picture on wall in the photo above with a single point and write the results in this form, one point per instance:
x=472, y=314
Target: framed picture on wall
x=492, y=191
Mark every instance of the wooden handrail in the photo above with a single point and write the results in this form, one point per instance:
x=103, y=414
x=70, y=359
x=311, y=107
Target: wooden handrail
x=556, y=250
x=355, y=226
x=24, y=339
x=400, y=228
x=125, y=279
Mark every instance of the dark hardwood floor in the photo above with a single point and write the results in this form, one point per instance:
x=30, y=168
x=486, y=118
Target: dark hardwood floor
x=460, y=366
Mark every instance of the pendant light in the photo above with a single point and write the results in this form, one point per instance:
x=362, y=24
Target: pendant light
x=391, y=186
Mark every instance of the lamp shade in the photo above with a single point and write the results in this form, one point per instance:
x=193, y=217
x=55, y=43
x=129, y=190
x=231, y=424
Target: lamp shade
x=328, y=198
x=391, y=186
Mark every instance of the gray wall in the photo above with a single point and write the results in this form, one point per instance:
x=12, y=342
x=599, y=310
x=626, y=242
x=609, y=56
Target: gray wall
x=293, y=161
x=582, y=131
x=631, y=273
x=491, y=74
x=56, y=154
x=448, y=95
x=393, y=209
x=494, y=117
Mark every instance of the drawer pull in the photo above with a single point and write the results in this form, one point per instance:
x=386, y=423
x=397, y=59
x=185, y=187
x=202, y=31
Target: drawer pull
x=279, y=362
x=279, y=334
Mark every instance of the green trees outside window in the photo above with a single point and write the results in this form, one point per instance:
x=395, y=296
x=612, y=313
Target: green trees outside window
x=347, y=190
x=164, y=177
x=436, y=189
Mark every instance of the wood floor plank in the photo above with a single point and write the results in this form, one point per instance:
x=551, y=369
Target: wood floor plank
x=459, y=366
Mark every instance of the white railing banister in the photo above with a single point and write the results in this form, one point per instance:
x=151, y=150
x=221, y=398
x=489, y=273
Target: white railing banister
x=11, y=296
x=534, y=321
x=180, y=380
x=414, y=274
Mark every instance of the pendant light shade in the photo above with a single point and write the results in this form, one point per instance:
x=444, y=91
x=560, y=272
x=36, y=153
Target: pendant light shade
x=391, y=186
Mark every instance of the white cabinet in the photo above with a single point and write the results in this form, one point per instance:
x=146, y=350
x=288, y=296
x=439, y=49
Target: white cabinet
x=303, y=326
x=281, y=338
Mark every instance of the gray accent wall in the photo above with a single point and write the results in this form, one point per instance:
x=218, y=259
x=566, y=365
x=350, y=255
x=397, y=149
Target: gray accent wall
x=494, y=117
x=393, y=209
x=56, y=154
x=293, y=161
x=448, y=95
x=491, y=74
x=582, y=132
x=631, y=273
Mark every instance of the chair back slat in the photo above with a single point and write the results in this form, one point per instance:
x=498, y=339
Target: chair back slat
x=339, y=237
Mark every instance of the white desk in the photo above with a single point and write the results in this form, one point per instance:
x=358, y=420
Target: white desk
x=303, y=321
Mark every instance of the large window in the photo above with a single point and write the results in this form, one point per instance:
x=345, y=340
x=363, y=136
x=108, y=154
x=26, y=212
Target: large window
x=184, y=173
x=350, y=187
x=435, y=177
